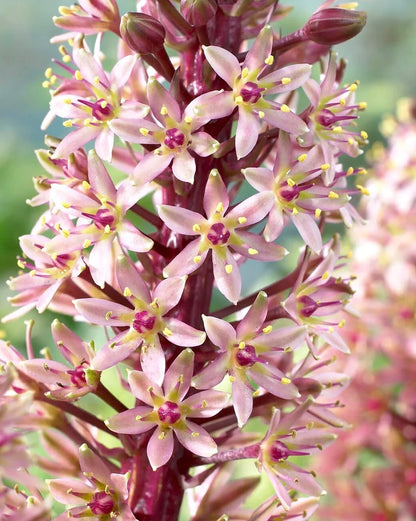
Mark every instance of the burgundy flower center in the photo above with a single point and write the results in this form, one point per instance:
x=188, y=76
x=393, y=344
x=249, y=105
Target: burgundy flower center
x=279, y=451
x=251, y=92
x=327, y=118
x=174, y=138
x=101, y=503
x=218, y=234
x=100, y=109
x=288, y=193
x=143, y=321
x=103, y=218
x=246, y=357
x=308, y=305
x=78, y=376
x=169, y=413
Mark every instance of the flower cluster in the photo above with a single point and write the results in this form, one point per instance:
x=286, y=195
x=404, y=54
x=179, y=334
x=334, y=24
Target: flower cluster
x=183, y=159
x=374, y=463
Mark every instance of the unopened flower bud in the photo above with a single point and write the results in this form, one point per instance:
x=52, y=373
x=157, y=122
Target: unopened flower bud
x=142, y=33
x=198, y=12
x=334, y=25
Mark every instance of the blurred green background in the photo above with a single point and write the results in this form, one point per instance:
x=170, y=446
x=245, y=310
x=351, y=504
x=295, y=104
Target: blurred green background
x=380, y=57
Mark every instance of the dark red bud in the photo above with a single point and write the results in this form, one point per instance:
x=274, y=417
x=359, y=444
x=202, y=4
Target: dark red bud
x=334, y=25
x=198, y=12
x=142, y=33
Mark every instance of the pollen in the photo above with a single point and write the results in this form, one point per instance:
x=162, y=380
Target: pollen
x=325, y=275
x=325, y=166
x=285, y=108
x=302, y=157
x=286, y=81
x=67, y=123
x=196, y=228
x=219, y=208
x=162, y=435
x=290, y=182
x=197, y=259
x=295, y=211
x=342, y=102
x=66, y=58
x=167, y=332
x=285, y=380
x=244, y=72
x=252, y=251
x=188, y=120
x=241, y=345
x=86, y=243
x=318, y=212
x=351, y=141
x=256, y=393
x=127, y=292
x=228, y=269
x=195, y=434
x=350, y=170
x=341, y=324
x=238, y=99
x=242, y=220
x=363, y=189
x=364, y=134
x=333, y=195
x=108, y=315
x=362, y=105
x=86, y=185
x=362, y=171
x=267, y=329
x=270, y=60
x=353, y=87
x=78, y=75
x=261, y=114
x=46, y=84
x=143, y=131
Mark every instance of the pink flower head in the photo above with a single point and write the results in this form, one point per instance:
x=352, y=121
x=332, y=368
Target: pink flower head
x=90, y=99
x=246, y=354
x=175, y=134
x=100, y=211
x=144, y=316
x=219, y=232
x=90, y=17
x=100, y=496
x=250, y=88
x=168, y=410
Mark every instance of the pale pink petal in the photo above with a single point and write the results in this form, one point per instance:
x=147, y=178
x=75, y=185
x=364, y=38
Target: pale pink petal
x=213, y=373
x=254, y=318
x=308, y=230
x=160, y=447
x=122, y=70
x=159, y=98
x=262, y=179
x=101, y=261
x=196, y=439
x=103, y=312
x=91, y=463
x=150, y=167
x=209, y=106
x=183, y=166
x=129, y=130
x=140, y=384
x=180, y=220
x=215, y=193
x=247, y=133
x=184, y=263
x=74, y=140
x=182, y=334
x=227, y=275
x=116, y=350
x=127, y=423
x=203, y=144
x=298, y=74
x=223, y=62
x=220, y=332
x=287, y=121
x=282, y=338
x=334, y=339
x=70, y=344
x=153, y=362
x=206, y=403
x=46, y=297
x=266, y=251
x=275, y=223
x=89, y=67
x=129, y=277
x=242, y=401
x=260, y=49
x=168, y=293
x=99, y=178
x=178, y=376
x=133, y=239
x=104, y=144
x=253, y=208
x=66, y=490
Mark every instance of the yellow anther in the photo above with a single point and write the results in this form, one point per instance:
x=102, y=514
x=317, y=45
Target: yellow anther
x=66, y=205
x=164, y=111
x=285, y=380
x=350, y=170
x=66, y=58
x=341, y=324
x=348, y=5
x=86, y=185
x=364, y=134
x=107, y=228
x=46, y=84
x=302, y=157
x=96, y=80
x=256, y=393
x=197, y=259
x=318, y=212
x=325, y=166
x=310, y=426
x=242, y=220
x=180, y=379
x=351, y=141
x=267, y=329
x=78, y=75
x=228, y=268
x=353, y=87
x=162, y=435
x=286, y=81
x=143, y=131
x=67, y=123
x=241, y=345
x=54, y=255
x=127, y=292
x=325, y=275
x=103, y=104
x=108, y=315
x=195, y=434
x=333, y=195
x=86, y=243
x=188, y=120
x=330, y=329
x=167, y=332
x=285, y=108
x=87, y=121
x=62, y=50
x=337, y=129
x=214, y=172
x=363, y=189
x=342, y=102
x=270, y=60
x=154, y=304
x=295, y=211
x=290, y=182
x=219, y=208
x=244, y=72
x=157, y=152
x=53, y=79
x=252, y=251
x=196, y=228
x=204, y=404
x=32, y=273
x=138, y=417
x=67, y=101
x=232, y=378
x=261, y=114
x=238, y=99
x=362, y=105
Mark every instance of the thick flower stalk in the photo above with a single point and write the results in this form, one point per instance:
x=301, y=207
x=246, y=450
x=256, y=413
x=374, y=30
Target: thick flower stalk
x=182, y=159
x=374, y=463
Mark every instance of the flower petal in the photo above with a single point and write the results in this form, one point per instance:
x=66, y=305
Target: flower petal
x=223, y=62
